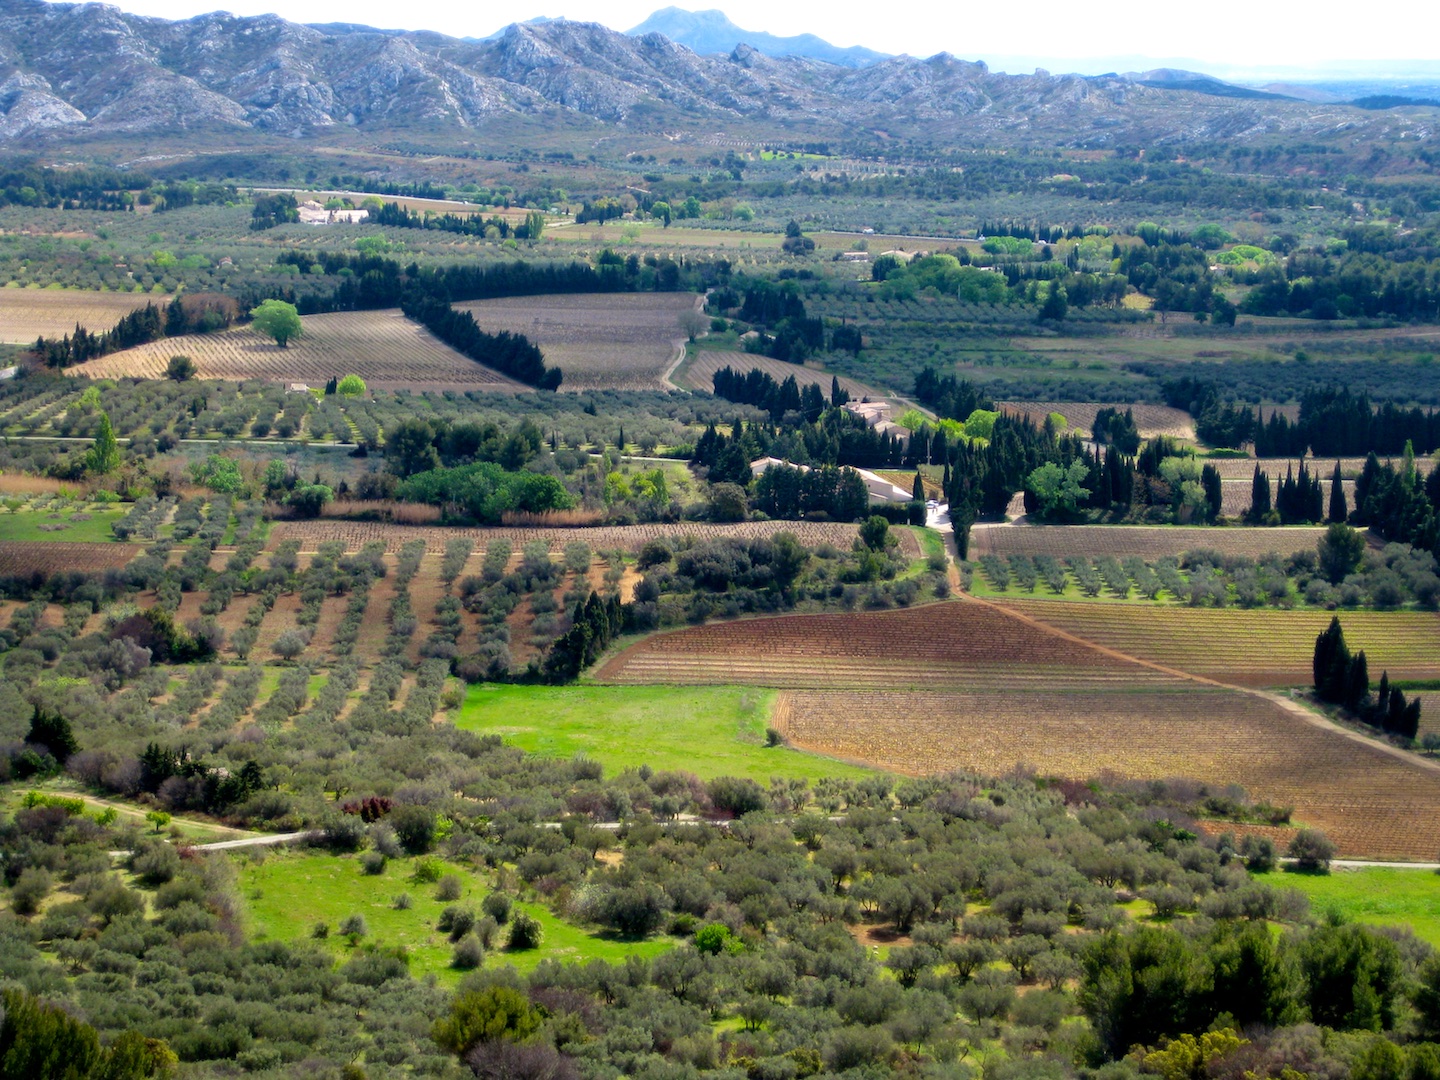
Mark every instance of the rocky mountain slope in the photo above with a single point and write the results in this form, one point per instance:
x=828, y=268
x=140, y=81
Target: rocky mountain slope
x=80, y=70
x=710, y=32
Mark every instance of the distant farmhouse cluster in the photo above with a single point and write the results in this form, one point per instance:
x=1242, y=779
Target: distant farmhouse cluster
x=313, y=213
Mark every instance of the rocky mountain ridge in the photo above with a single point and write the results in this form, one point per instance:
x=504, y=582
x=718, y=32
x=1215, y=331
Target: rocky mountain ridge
x=710, y=32
x=82, y=70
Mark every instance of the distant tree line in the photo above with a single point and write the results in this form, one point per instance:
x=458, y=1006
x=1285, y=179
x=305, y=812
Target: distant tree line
x=839, y=437
x=70, y=189
x=271, y=210
x=786, y=492
x=760, y=389
x=1300, y=499
x=199, y=314
x=396, y=216
x=513, y=354
x=1333, y=422
x=783, y=329
x=137, y=328
x=949, y=397
x=1398, y=504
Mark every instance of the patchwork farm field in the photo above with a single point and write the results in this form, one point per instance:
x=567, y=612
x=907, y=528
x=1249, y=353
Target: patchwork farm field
x=1147, y=541
x=955, y=644
x=1150, y=420
x=1372, y=804
x=698, y=373
x=384, y=348
x=26, y=314
x=623, y=341
x=1247, y=647
x=356, y=534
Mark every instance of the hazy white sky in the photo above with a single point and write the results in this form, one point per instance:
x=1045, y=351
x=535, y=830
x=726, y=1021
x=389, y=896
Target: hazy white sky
x=1253, y=34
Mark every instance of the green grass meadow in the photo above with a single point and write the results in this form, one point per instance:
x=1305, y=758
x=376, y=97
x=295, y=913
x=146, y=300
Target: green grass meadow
x=287, y=893
x=25, y=525
x=1378, y=896
x=708, y=730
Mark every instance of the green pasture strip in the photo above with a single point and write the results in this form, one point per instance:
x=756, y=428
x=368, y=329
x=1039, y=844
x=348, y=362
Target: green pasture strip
x=287, y=893
x=708, y=730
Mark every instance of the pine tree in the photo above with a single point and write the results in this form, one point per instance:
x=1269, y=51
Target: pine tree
x=52, y=731
x=1338, y=510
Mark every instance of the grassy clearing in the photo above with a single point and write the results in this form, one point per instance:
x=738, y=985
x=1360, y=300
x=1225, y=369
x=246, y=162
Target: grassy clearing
x=93, y=526
x=195, y=830
x=931, y=542
x=1377, y=896
x=710, y=731
x=287, y=893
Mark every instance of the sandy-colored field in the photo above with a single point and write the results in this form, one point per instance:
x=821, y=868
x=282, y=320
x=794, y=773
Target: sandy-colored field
x=1370, y=803
x=356, y=534
x=606, y=341
x=1150, y=420
x=699, y=373
x=1147, y=541
x=26, y=314
x=1263, y=647
x=952, y=644
x=384, y=348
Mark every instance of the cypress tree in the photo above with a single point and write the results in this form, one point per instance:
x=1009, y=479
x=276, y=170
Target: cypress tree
x=1214, y=491
x=1331, y=663
x=1259, y=496
x=1357, y=682
x=1338, y=510
x=918, y=491
x=1363, y=485
x=1409, y=722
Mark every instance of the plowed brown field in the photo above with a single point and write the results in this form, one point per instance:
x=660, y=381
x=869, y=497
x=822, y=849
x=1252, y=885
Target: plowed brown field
x=951, y=644
x=52, y=556
x=610, y=341
x=1369, y=802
